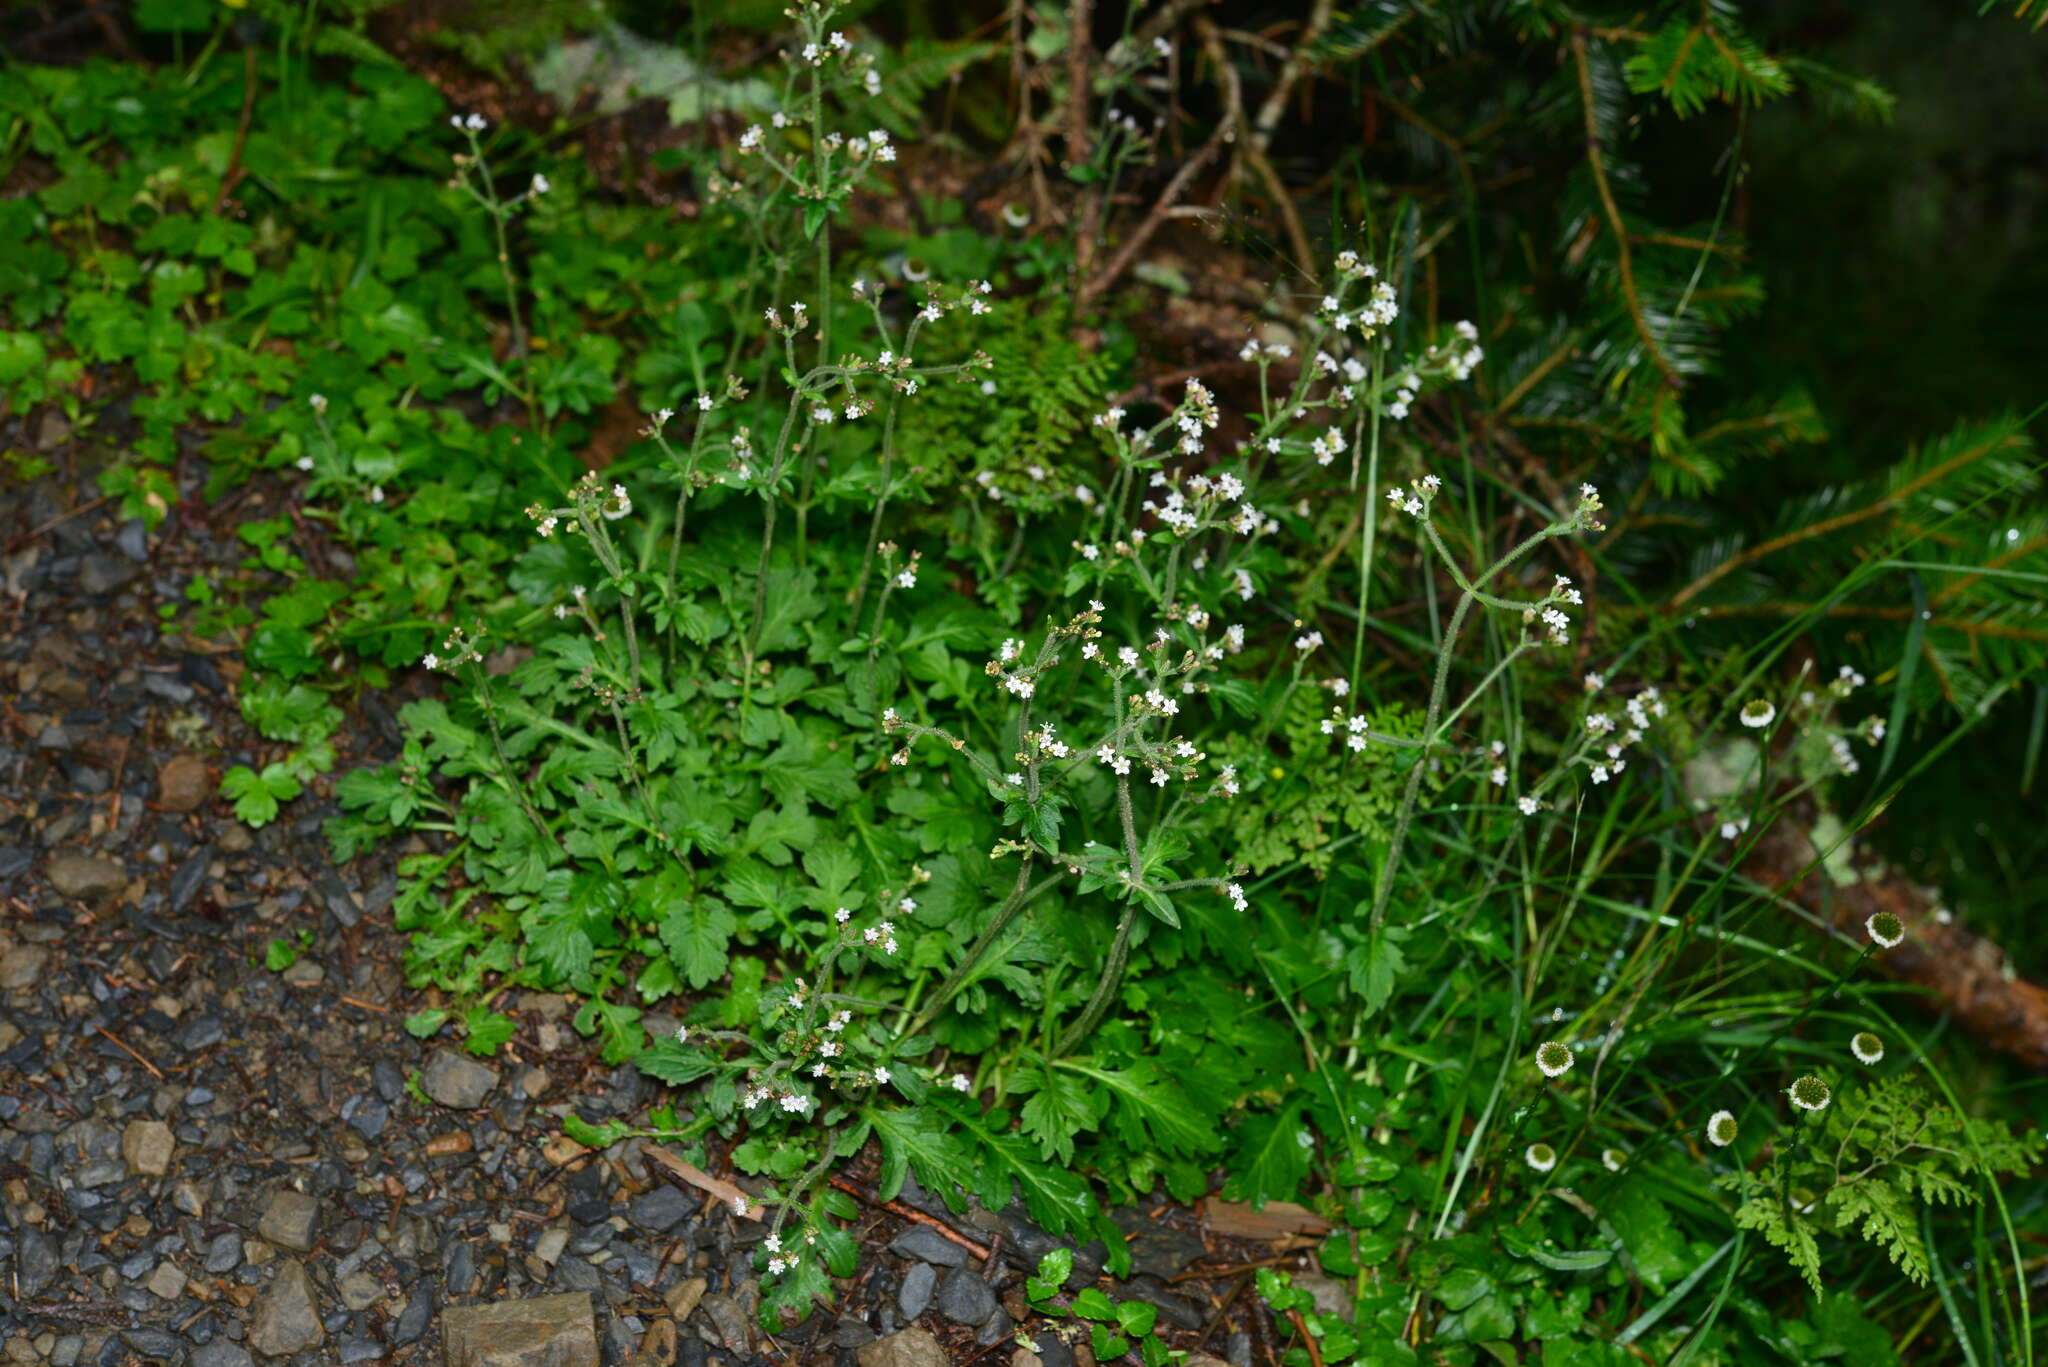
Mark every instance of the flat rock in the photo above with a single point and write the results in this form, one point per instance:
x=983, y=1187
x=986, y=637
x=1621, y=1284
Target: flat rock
x=222, y=1353
x=167, y=1282
x=286, y=1319
x=454, y=1080
x=928, y=1245
x=659, y=1209
x=22, y=965
x=78, y=874
x=910, y=1348
x=182, y=784
x=541, y=1331
x=915, y=1295
x=146, y=1146
x=288, y=1220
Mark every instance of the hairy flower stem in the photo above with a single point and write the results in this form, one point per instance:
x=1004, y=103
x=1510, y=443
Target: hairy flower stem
x=1022, y=893
x=1105, y=988
x=1384, y=889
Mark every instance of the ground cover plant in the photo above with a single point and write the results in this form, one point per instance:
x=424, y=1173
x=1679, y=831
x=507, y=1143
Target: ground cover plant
x=1343, y=770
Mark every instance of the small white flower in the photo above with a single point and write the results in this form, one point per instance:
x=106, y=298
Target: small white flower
x=1867, y=1047
x=962, y=1083
x=539, y=185
x=1809, y=1093
x=1758, y=713
x=1886, y=929
x=881, y=1075
x=432, y=661
x=1528, y=805
x=682, y=1034
x=1555, y=1059
x=1721, y=1129
x=1540, y=1157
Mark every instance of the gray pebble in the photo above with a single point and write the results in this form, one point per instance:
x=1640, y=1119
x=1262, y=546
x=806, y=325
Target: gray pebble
x=919, y=1285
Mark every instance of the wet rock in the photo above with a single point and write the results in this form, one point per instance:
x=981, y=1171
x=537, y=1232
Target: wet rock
x=541, y=1331
x=286, y=1318
x=659, y=1210
x=361, y=1350
x=965, y=1298
x=369, y=1117
x=412, y=1321
x=35, y=1261
x=928, y=1245
x=1175, y=1309
x=191, y=874
x=78, y=874
x=146, y=1147
x=224, y=1254
x=182, y=784
x=133, y=540
x=100, y=573
x=910, y=1348
x=455, y=1081
x=915, y=1295
x=288, y=1220
x=153, y=1343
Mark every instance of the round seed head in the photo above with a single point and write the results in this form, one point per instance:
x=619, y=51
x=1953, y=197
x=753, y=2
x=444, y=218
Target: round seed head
x=1867, y=1047
x=1886, y=929
x=1809, y=1093
x=1540, y=1157
x=1721, y=1129
x=1555, y=1059
x=1758, y=713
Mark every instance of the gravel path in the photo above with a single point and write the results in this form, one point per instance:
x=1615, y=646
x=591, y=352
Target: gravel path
x=206, y=1162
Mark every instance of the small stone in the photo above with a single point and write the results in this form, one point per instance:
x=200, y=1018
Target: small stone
x=89, y=876
x=549, y=1246
x=133, y=540
x=222, y=1353
x=534, y=1082
x=146, y=1146
x=304, y=972
x=189, y=1199
x=928, y=1245
x=455, y=1081
x=915, y=1295
x=412, y=1322
x=182, y=784
x=659, y=1209
x=100, y=573
x=682, y=1298
x=359, y=1290
x=370, y=1117
x=361, y=1350
x=167, y=1282
x=22, y=965
x=224, y=1254
x=964, y=1298
x=909, y=1348
x=729, y=1321
x=286, y=1319
x=540, y=1331
x=1024, y=1357
x=288, y=1220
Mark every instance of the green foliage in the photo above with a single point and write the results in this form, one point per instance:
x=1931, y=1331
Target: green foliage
x=1868, y=1165
x=892, y=746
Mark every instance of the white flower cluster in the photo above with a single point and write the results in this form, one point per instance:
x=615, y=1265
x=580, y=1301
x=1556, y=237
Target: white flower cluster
x=467, y=123
x=1416, y=498
x=457, y=649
